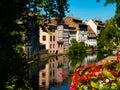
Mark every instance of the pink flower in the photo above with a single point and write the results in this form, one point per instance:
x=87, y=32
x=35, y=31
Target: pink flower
x=72, y=87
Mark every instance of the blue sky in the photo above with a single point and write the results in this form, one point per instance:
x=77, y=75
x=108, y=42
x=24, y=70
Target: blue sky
x=87, y=9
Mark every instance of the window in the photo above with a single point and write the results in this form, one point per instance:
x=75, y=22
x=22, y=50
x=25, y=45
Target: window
x=49, y=65
x=53, y=38
x=43, y=74
x=53, y=73
x=43, y=83
x=50, y=73
x=50, y=38
x=58, y=45
x=50, y=45
x=53, y=45
x=44, y=38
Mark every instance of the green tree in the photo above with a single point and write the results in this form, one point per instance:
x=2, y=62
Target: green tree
x=76, y=59
x=48, y=9
x=108, y=39
x=12, y=59
x=76, y=47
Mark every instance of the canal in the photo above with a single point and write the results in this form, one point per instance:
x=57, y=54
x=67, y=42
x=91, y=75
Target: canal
x=53, y=73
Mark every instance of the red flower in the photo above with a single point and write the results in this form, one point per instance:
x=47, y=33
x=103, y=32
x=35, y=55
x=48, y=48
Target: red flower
x=96, y=72
x=92, y=72
x=89, y=65
x=62, y=74
x=113, y=73
x=75, y=80
x=118, y=56
x=83, y=77
x=76, y=72
x=88, y=77
x=72, y=87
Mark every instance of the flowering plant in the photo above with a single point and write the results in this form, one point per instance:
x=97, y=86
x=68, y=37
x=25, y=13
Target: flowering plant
x=96, y=77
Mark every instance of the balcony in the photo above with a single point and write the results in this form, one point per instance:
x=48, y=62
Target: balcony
x=60, y=41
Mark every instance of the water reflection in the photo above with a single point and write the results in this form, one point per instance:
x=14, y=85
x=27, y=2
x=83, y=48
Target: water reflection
x=49, y=76
x=90, y=59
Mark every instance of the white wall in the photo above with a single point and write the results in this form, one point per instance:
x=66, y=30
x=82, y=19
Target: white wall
x=92, y=25
x=47, y=41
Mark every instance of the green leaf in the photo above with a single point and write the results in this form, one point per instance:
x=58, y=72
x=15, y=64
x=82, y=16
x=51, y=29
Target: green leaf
x=94, y=84
x=118, y=79
x=10, y=87
x=114, y=86
x=108, y=74
x=117, y=67
x=81, y=88
x=94, y=78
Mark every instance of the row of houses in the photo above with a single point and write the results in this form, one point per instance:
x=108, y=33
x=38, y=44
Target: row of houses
x=57, y=39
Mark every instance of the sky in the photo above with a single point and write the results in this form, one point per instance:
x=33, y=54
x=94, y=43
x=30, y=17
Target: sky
x=90, y=9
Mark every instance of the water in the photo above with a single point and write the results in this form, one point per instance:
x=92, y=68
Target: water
x=53, y=73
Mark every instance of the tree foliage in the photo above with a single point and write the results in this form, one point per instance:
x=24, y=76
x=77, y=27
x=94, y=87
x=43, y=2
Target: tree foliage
x=76, y=47
x=108, y=39
x=12, y=59
x=76, y=59
x=49, y=9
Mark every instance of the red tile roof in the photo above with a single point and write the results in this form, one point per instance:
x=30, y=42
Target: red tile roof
x=72, y=22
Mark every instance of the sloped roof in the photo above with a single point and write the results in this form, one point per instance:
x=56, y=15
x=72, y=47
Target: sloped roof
x=90, y=31
x=98, y=22
x=72, y=22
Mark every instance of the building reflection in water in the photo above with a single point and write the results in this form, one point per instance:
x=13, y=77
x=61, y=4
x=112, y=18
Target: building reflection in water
x=46, y=73
x=50, y=75
x=90, y=59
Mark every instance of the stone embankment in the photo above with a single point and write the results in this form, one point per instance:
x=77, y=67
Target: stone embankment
x=107, y=60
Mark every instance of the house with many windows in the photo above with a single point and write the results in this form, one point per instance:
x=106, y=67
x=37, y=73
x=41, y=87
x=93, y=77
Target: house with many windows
x=91, y=37
x=81, y=35
x=94, y=27
x=77, y=29
x=48, y=39
x=56, y=39
x=73, y=25
x=63, y=36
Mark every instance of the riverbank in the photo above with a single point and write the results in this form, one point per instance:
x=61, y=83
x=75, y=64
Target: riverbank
x=43, y=57
x=108, y=59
